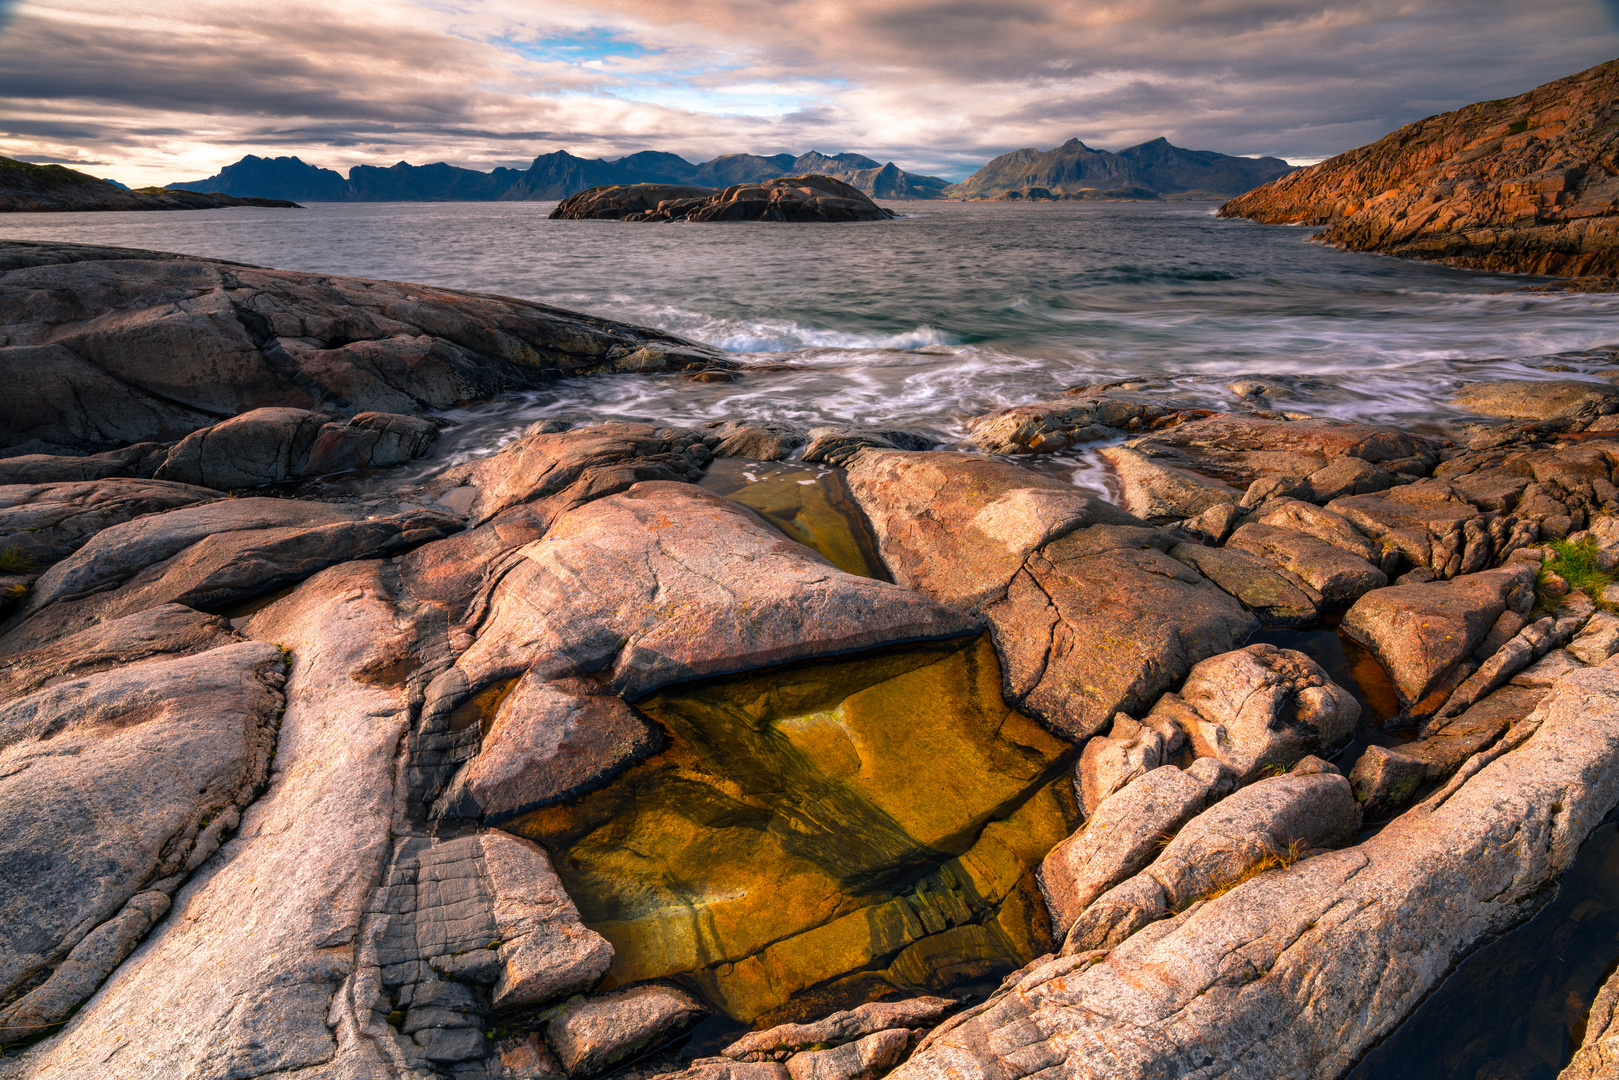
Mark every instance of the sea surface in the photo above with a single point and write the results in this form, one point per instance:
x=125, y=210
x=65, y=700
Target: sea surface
x=948, y=312
x=955, y=309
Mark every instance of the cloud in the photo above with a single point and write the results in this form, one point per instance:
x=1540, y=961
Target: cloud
x=936, y=85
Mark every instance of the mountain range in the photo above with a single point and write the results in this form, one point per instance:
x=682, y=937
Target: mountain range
x=29, y=188
x=551, y=176
x=1152, y=170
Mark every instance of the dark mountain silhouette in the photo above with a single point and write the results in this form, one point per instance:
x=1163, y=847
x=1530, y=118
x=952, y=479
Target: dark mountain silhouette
x=1152, y=170
x=26, y=187
x=551, y=176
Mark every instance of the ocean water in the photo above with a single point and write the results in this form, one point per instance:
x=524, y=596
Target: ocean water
x=945, y=313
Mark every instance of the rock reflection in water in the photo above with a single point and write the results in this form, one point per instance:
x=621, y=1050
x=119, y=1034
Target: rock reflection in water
x=1516, y=1009
x=810, y=503
x=823, y=834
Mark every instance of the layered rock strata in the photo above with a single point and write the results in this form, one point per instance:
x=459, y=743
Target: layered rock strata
x=1526, y=184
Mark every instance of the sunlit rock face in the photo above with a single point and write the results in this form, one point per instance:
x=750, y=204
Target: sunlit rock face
x=820, y=834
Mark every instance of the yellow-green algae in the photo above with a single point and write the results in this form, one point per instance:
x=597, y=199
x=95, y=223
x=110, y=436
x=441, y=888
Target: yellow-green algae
x=822, y=834
x=809, y=503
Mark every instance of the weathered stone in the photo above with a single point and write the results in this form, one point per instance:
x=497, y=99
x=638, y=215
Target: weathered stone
x=1546, y=672
x=1044, y=426
x=117, y=346
x=1214, y=524
x=1109, y=762
x=1598, y=641
x=1159, y=494
x=867, y=1059
x=1421, y=634
x=1338, y=577
x=1273, y=820
x=1535, y=641
x=841, y=1027
x=1322, y=524
x=62, y=469
x=264, y=446
x=1447, y=743
x=785, y=198
x=1538, y=399
x=168, y=630
x=1262, y=706
x=1102, y=621
x=549, y=742
x=725, y=1069
x=1297, y=973
x=106, y=782
x=1597, y=1057
x=1385, y=781
x=591, y=1035
x=44, y=524
x=838, y=445
x=1347, y=476
x=959, y=526
x=567, y=469
x=369, y=440
x=1240, y=449
x=1269, y=595
x=1124, y=833
x=665, y=583
x=763, y=440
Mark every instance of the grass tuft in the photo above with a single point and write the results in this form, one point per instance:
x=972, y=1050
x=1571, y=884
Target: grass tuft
x=13, y=561
x=1575, y=563
x=1275, y=860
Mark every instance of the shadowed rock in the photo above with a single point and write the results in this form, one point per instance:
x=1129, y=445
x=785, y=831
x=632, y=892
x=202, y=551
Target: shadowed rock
x=46, y=523
x=592, y=1035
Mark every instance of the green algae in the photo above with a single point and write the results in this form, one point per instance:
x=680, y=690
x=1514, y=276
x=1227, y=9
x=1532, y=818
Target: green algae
x=823, y=834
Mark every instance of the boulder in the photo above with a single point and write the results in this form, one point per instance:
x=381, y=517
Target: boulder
x=1159, y=494
x=959, y=526
x=1539, y=399
x=1261, y=707
x=369, y=440
x=64, y=469
x=1546, y=672
x=1535, y=641
x=665, y=583
x=779, y=1042
x=1349, y=476
x=1385, y=781
x=1423, y=634
x=865, y=1059
x=1267, y=824
x=264, y=446
x=120, y=346
x=1240, y=449
x=1046, y=426
x=1122, y=835
x=838, y=445
x=1322, y=524
x=765, y=440
x=107, y=785
x=1335, y=575
x=1110, y=762
x=1213, y=525
x=549, y=742
x=1447, y=743
x=556, y=471
x=1299, y=972
x=1598, y=640
x=45, y=523
x=591, y=1035
x=1272, y=597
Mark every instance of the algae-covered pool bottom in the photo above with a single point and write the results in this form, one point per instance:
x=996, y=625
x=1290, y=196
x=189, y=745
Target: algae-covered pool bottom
x=809, y=503
x=824, y=834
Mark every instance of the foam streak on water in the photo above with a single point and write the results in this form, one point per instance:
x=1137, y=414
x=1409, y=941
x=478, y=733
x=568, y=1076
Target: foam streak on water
x=948, y=312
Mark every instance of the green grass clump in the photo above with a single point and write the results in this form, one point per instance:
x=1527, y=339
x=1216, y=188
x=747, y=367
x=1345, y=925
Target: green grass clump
x=1575, y=563
x=13, y=561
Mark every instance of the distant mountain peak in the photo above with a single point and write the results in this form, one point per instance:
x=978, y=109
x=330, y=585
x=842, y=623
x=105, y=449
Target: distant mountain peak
x=1154, y=169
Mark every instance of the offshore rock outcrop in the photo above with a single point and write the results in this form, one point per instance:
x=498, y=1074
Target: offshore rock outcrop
x=786, y=198
x=1526, y=184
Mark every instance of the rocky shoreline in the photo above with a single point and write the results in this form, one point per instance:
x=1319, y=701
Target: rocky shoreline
x=786, y=198
x=921, y=764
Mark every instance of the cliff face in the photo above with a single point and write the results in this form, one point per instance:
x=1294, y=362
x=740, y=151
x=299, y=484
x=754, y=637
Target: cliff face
x=1526, y=184
x=1152, y=170
x=26, y=187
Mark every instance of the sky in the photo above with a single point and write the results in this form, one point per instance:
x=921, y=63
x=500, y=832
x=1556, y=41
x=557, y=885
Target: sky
x=168, y=90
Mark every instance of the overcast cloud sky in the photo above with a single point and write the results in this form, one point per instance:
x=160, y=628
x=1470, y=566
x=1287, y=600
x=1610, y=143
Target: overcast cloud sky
x=173, y=89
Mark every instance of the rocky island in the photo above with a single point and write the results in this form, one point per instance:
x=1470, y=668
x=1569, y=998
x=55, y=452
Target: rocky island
x=786, y=198
x=43, y=188
x=1528, y=184
x=930, y=765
